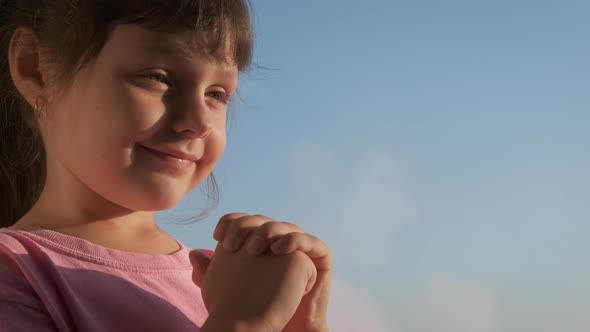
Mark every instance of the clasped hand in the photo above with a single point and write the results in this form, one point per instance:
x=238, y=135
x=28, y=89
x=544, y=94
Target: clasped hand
x=259, y=235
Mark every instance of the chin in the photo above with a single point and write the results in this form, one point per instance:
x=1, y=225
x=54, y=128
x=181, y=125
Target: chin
x=162, y=203
x=156, y=194
x=152, y=201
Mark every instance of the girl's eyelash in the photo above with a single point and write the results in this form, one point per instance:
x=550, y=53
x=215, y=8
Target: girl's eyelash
x=158, y=77
x=219, y=95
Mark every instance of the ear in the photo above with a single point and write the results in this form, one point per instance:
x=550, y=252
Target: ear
x=25, y=65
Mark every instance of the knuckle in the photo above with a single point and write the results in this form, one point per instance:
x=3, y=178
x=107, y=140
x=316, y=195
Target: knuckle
x=311, y=237
x=290, y=237
x=316, y=241
x=224, y=217
x=222, y=224
x=235, y=228
x=251, y=221
x=267, y=229
x=291, y=225
x=230, y=216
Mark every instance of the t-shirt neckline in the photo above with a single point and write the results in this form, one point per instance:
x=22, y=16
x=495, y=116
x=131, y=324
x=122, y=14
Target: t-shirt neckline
x=87, y=250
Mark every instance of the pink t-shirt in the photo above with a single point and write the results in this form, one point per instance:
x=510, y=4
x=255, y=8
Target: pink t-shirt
x=50, y=281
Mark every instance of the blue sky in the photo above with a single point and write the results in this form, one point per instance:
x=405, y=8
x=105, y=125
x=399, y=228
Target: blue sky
x=439, y=147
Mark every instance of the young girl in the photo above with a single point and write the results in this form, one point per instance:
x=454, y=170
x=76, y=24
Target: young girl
x=109, y=111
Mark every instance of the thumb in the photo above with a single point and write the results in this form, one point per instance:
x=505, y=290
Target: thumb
x=312, y=278
x=200, y=262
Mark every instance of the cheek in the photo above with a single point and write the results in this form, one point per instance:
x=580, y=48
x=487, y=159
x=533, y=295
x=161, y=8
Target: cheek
x=94, y=133
x=218, y=139
x=214, y=148
x=134, y=116
x=101, y=132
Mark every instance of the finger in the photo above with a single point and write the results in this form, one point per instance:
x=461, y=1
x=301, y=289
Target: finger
x=200, y=262
x=315, y=248
x=237, y=230
x=219, y=232
x=259, y=240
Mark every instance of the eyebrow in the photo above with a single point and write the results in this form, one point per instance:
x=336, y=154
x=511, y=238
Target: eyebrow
x=168, y=48
x=180, y=51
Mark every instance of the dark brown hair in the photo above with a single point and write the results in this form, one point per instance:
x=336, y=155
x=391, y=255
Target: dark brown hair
x=73, y=32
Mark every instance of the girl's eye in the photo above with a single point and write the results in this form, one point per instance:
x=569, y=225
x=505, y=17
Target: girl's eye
x=158, y=77
x=220, y=96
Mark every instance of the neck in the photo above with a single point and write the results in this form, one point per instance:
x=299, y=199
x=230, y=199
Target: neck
x=67, y=203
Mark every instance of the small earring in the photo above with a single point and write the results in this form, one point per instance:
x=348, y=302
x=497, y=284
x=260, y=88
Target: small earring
x=39, y=113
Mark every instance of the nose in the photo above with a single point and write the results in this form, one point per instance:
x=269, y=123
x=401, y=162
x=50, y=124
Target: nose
x=194, y=119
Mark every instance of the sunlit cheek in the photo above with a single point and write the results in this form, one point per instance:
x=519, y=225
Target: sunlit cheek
x=220, y=139
x=213, y=151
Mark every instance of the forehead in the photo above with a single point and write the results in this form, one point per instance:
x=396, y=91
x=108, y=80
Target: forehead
x=180, y=45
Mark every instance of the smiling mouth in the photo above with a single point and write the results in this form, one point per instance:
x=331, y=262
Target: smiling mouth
x=167, y=156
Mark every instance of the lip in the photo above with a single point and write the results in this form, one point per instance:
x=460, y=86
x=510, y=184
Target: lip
x=168, y=163
x=171, y=153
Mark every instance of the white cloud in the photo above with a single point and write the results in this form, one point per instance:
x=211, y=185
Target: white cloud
x=351, y=311
x=356, y=208
x=358, y=205
x=450, y=305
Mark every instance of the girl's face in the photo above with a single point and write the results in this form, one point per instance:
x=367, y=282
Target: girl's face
x=144, y=123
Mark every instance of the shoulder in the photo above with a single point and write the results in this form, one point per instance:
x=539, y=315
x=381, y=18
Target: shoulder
x=15, y=265
x=11, y=243
x=20, y=253
x=15, y=253
x=20, y=306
